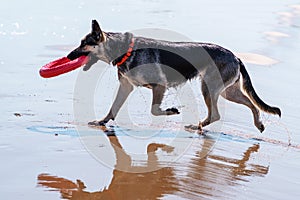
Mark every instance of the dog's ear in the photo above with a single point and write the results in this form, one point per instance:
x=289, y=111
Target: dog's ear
x=96, y=31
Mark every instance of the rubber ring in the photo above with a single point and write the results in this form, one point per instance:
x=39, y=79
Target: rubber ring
x=62, y=65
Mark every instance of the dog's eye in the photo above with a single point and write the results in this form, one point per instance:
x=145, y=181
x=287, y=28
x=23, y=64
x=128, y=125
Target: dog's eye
x=91, y=42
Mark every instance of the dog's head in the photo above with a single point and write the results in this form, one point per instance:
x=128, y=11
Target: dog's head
x=92, y=45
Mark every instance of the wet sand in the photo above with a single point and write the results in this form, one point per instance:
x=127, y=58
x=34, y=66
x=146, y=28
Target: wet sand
x=47, y=153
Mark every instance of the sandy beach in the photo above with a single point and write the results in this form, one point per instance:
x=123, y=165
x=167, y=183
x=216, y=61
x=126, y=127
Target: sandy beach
x=49, y=152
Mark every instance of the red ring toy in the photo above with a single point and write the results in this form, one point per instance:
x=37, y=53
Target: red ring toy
x=62, y=65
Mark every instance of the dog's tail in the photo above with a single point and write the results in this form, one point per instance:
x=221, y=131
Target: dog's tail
x=247, y=86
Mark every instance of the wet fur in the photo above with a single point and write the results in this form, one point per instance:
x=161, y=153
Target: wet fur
x=158, y=64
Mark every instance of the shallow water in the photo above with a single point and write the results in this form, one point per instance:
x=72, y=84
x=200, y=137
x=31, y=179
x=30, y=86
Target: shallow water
x=48, y=154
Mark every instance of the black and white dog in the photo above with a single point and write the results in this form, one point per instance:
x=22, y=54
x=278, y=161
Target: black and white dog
x=158, y=64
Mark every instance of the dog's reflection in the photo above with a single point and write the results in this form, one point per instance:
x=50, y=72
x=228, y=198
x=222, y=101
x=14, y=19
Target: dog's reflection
x=147, y=184
x=202, y=175
x=216, y=175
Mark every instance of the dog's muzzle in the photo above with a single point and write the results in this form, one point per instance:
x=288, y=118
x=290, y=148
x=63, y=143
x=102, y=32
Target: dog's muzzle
x=77, y=53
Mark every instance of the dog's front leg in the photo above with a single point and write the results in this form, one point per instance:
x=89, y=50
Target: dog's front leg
x=158, y=94
x=124, y=90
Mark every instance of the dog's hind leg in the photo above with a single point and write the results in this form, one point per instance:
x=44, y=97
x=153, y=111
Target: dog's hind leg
x=124, y=90
x=234, y=94
x=158, y=94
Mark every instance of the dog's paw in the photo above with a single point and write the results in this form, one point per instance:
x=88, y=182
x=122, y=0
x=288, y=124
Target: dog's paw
x=97, y=123
x=172, y=111
x=101, y=125
x=192, y=127
x=195, y=129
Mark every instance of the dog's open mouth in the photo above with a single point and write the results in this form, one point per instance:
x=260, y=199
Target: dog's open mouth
x=92, y=59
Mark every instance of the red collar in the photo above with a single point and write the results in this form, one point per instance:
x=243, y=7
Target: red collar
x=128, y=54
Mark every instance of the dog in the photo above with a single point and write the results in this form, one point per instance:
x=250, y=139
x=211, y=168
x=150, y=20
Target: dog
x=158, y=65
